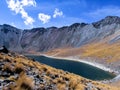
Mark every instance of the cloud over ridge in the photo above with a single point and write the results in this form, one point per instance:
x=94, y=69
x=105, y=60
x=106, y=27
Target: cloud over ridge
x=44, y=17
x=18, y=7
x=57, y=12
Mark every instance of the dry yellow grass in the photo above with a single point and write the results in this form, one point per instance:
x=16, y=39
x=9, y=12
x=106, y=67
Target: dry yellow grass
x=64, y=52
x=24, y=82
x=105, y=51
x=108, y=52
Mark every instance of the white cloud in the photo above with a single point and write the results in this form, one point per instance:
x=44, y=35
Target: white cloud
x=57, y=12
x=18, y=7
x=106, y=11
x=44, y=17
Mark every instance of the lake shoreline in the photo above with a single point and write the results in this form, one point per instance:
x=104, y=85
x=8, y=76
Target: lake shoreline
x=95, y=64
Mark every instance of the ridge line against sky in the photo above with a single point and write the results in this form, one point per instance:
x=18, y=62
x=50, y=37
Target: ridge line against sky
x=47, y=13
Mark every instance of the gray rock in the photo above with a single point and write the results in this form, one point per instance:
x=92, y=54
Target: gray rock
x=44, y=39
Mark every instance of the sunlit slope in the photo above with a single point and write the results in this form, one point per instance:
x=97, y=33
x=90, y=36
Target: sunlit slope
x=21, y=73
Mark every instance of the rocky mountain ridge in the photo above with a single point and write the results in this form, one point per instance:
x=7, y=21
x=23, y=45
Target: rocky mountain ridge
x=44, y=39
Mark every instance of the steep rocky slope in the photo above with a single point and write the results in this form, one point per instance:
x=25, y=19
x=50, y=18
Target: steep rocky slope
x=44, y=39
x=10, y=37
x=20, y=73
x=75, y=35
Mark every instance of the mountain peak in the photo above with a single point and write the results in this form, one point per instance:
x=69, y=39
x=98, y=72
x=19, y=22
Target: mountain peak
x=112, y=17
x=107, y=21
x=8, y=26
x=78, y=24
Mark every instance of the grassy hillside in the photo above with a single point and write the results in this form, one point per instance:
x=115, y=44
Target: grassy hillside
x=20, y=73
x=105, y=51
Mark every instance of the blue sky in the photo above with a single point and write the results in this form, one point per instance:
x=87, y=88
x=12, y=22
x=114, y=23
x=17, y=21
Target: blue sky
x=46, y=13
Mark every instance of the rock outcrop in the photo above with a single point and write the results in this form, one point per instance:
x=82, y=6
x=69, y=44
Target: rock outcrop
x=4, y=50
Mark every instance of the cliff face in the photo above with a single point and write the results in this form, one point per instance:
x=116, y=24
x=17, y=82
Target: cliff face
x=44, y=39
x=9, y=36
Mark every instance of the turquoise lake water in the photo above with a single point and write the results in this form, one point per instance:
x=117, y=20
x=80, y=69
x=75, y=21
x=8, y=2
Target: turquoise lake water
x=75, y=67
